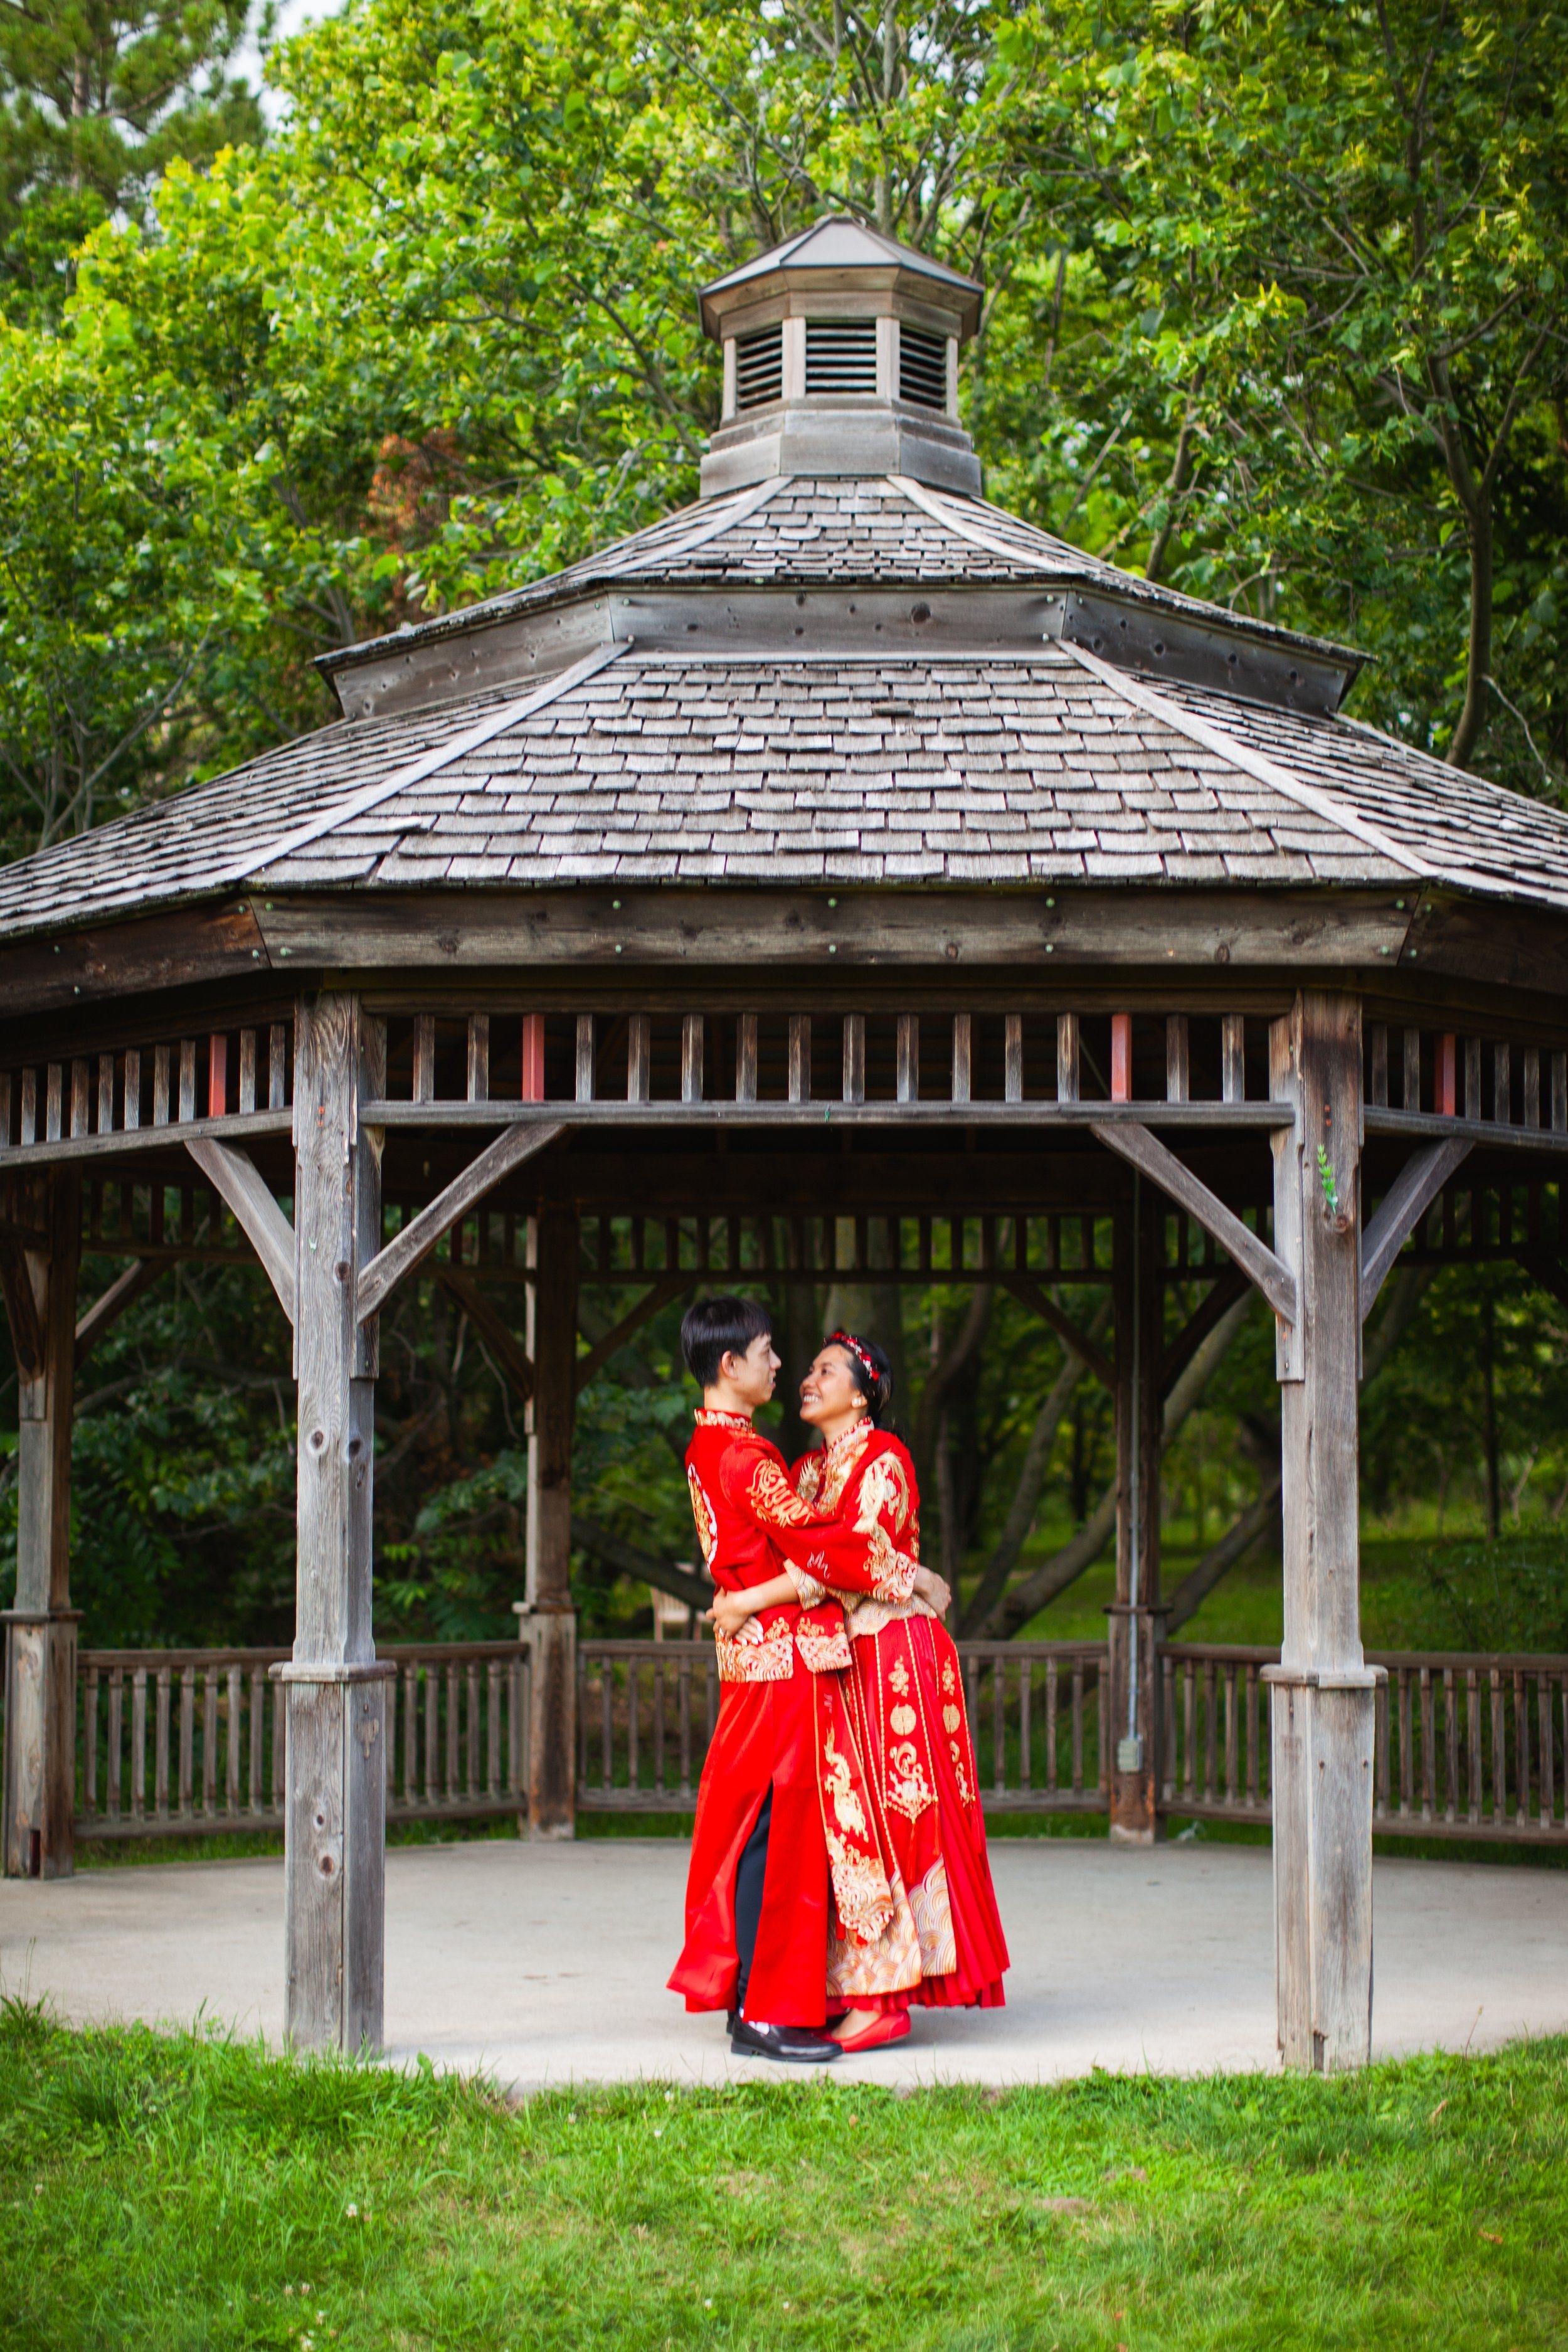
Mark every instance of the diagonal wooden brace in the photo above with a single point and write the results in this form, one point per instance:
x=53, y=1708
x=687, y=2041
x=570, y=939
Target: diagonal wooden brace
x=1401, y=1209
x=669, y=1286
x=1241, y=1244
x=123, y=1292
x=235, y=1175
x=410, y=1247
x=1029, y=1293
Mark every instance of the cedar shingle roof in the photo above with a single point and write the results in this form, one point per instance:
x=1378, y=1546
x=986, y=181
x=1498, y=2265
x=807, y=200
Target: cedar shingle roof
x=836, y=765
x=866, y=530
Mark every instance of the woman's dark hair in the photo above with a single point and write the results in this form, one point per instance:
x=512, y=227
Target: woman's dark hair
x=871, y=1372
x=716, y=1327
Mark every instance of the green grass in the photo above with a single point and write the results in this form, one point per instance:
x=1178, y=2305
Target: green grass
x=177, y=2192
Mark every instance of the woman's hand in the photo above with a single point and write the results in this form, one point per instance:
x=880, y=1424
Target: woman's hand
x=729, y=1611
x=933, y=1589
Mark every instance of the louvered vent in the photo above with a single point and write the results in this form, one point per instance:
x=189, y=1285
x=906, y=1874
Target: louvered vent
x=840, y=355
x=758, y=367
x=922, y=367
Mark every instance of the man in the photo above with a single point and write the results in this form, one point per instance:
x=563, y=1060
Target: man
x=787, y=1833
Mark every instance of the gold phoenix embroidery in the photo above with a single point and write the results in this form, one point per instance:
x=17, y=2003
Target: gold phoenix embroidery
x=909, y=1791
x=702, y=1511
x=774, y=1501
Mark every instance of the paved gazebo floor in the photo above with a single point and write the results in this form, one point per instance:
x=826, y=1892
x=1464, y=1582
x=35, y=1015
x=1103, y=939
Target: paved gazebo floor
x=546, y=1964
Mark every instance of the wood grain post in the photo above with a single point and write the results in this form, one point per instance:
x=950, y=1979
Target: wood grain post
x=335, y=1788
x=1135, y=1627
x=1323, y=1704
x=552, y=1248
x=39, y=1768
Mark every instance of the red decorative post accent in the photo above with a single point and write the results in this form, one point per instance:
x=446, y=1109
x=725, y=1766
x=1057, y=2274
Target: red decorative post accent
x=1447, y=1078
x=1122, y=1057
x=218, y=1074
x=533, y=1058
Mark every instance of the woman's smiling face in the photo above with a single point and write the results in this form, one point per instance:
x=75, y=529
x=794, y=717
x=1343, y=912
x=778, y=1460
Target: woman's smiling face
x=829, y=1393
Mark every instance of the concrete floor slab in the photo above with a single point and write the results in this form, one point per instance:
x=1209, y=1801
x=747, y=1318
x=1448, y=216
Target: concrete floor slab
x=545, y=1964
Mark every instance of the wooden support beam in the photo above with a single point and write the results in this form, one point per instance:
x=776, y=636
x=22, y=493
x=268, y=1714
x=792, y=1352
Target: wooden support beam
x=1179, y=1352
x=492, y=1327
x=123, y=1292
x=335, y=1797
x=551, y=1624
x=234, y=1174
x=1400, y=1211
x=38, y=1777
x=1322, y=1692
x=1146, y=1152
x=410, y=1247
x=1130, y=1723
x=588, y=1367
x=1028, y=1293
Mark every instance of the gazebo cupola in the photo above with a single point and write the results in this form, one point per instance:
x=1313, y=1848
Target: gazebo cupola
x=841, y=357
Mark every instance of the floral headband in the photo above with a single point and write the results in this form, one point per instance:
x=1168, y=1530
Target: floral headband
x=858, y=1348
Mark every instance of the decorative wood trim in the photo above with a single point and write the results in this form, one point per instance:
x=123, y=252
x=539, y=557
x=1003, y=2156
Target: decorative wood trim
x=668, y=1286
x=1401, y=1209
x=22, y=1309
x=410, y=1247
x=123, y=1292
x=492, y=1327
x=1145, y=1151
x=1028, y=1293
x=234, y=1174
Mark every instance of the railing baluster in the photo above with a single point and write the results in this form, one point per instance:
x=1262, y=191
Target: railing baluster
x=1252, y=1796
x=632, y=1695
x=209, y=1742
x=607, y=1714
x=1230, y=1790
x=231, y=1756
x=492, y=1729
x=1024, y=1782
x=1053, y=1695
x=658, y=1725
x=1500, y=1749
x=1210, y=1786
x=139, y=1743
x=1521, y=1752
x=1078, y=1726
x=1190, y=1727
x=1472, y=1695
x=472, y=1788
x=998, y=1726
x=161, y=1748
x=258, y=1728
x=1168, y=1727
x=1546, y=1803
x=454, y=1710
x=89, y=1736
x=432, y=1784
x=116, y=1701
x=1429, y=1747
x=683, y=1688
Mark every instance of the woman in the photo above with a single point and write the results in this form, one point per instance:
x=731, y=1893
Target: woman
x=910, y=1691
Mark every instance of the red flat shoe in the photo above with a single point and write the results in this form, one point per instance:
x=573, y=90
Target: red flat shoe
x=893, y=2026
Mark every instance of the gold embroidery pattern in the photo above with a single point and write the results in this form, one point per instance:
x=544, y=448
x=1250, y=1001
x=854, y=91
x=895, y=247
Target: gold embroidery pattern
x=834, y=1466
x=810, y=1477
x=904, y=1718
x=893, y=1570
x=884, y=1494
x=755, y=1657
x=714, y=1417
x=774, y=1501
x=950, y=1719
x=861, y=1890
x=949, y=1681
x=959, y=1773
x=849, y=1812
x=899, y=1680
x=808, y=1592
x=908, y=1791
x=933, y=1922
x=707, y=1521
x=892, y=1963
x=823, y=1654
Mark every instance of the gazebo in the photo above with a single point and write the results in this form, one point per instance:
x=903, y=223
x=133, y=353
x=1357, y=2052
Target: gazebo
x=845, y=854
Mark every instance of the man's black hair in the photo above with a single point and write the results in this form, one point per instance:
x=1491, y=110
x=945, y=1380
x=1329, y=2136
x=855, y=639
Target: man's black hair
x=716, y=1327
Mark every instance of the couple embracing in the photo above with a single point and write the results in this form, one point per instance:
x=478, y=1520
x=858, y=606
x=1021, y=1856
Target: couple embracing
x=838, y=1865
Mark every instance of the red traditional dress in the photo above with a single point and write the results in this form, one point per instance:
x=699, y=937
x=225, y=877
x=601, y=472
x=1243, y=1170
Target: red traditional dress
x=915, y=1736
x=787, y=1721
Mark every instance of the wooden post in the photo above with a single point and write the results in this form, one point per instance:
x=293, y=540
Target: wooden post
x=1324, y=1693
x=39, y=1770
x=1135, y=1618
x=553, y=1251
x=335, y=1795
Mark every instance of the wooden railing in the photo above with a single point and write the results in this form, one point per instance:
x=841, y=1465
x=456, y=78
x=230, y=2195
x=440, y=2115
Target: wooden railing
x=172, y=1743
x=646, y=1712
x=176, y=1742
x=1467, y=1744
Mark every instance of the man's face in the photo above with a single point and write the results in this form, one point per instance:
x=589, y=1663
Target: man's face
x=751, y=1376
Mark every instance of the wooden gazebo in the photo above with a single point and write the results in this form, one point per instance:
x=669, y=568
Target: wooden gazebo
x=841, y=848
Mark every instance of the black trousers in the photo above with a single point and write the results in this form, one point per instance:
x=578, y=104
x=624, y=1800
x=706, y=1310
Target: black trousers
x=750, y=1873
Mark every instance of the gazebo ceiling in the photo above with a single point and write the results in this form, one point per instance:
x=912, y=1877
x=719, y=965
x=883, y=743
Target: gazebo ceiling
x=842, y=677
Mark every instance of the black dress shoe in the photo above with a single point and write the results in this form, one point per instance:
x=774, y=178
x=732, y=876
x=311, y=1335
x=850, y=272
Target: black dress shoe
x=794, y=2045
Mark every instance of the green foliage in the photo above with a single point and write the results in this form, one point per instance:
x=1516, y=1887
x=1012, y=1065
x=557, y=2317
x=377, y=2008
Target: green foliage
x=95, y=101
x=184, y=2191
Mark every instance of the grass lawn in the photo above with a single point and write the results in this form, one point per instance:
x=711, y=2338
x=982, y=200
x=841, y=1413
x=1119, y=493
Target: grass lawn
x=175, y=2192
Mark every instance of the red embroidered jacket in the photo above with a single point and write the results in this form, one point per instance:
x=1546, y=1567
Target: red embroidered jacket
x=753, y=1527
